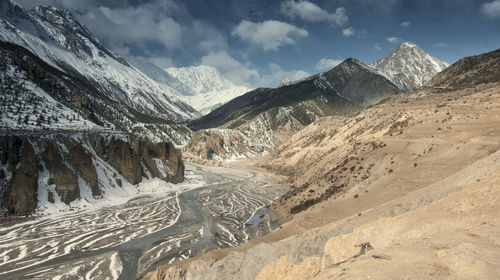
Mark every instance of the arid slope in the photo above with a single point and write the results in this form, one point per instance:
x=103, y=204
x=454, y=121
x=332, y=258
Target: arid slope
x=407, y=188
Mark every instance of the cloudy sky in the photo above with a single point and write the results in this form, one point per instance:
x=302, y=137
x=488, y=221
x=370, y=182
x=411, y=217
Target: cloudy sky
x=259, y=42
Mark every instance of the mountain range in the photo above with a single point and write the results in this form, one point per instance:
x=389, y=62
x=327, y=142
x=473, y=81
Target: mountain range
x=266, y=117
x=407, y=188
x=60, y=88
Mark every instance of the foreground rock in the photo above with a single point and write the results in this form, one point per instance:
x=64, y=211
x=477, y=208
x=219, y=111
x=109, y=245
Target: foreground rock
x=60, y=166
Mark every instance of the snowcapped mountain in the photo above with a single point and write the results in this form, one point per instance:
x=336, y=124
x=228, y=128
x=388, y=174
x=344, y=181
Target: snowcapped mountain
x=209, y=88
x=258, y=121
x=55, y=75
x=409, y=67
x=59, y=40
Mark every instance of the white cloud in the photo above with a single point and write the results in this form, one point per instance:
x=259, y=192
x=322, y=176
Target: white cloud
x=394, y=40
x=491, y=9
x=206, y=37
x=270, y=34
x=311, y=12
x=440, y=45
x=377, y=47
x=326, y=64
x=405, y=24
x=140, y=24
x=277, y=74
x=244, y=73
x=348, y=32
x=231, y=68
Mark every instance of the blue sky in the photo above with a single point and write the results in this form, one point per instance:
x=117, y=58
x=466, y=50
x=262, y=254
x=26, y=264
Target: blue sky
x=260, y=42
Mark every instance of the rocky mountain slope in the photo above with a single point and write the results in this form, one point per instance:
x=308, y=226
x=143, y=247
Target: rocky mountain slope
x=209, y=88
x=78, y=124
x=409, y=67
x=62, y=42
x=469, y=71
x=270, y=116
x=406, y=188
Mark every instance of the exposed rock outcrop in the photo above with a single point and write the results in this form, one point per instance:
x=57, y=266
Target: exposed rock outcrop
x=125, y=159
x=19, y=190
x=65, y=181
x=81, y=160
x=65, y=166
x=162, y=160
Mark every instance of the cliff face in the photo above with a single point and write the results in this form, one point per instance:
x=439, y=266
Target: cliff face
x=65, y=166
x=19, y=195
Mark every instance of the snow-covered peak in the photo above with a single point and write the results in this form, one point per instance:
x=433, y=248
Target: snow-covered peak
x=211, y=89
x=202, y=78
x=408, y=45
x=409, y=67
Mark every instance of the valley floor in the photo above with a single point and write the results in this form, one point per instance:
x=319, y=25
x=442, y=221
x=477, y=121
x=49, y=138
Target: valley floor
x=214, y=208
x=407, y=189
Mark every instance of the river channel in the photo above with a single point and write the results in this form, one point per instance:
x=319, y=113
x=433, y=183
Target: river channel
x=126, y=241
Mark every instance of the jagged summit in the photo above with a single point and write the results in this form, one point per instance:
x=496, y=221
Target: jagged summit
x=409, y=67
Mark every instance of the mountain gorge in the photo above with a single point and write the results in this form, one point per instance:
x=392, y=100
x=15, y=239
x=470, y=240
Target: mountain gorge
x=116, y=169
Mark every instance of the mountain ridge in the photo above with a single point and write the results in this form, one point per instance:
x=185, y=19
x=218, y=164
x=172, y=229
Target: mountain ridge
x=266, y=117
x=50, y=34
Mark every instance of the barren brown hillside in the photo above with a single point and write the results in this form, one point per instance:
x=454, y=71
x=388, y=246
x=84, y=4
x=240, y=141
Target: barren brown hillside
x=406, y=189
x=389, y=150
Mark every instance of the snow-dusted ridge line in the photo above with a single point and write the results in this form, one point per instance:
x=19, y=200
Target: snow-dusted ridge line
x=58, y=39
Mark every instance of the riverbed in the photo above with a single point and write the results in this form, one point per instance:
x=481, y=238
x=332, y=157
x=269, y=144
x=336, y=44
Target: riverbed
x=125, y=241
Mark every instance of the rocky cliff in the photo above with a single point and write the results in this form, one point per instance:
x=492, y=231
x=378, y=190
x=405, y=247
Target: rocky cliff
x=54, y=167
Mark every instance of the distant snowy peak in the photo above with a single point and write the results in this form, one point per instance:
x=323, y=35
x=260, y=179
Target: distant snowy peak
x=202, y=79
x=409, y=67
x=209, y=87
